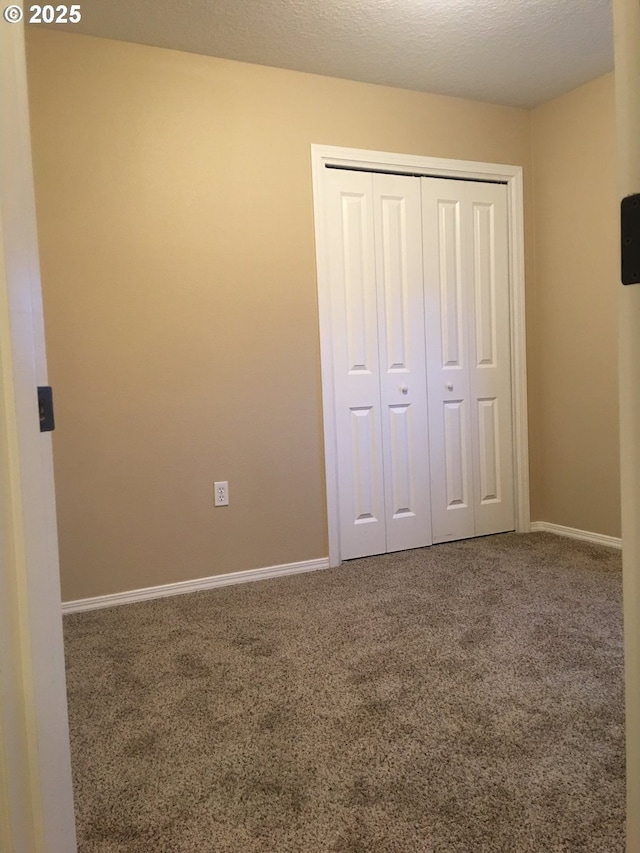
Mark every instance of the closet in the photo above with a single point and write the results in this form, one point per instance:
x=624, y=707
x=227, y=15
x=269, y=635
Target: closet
x=420, y=340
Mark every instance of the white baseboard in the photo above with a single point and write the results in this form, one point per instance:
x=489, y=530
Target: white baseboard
x=197, y=585
x=573, y=533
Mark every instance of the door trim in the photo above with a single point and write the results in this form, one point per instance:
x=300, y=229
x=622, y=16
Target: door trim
x=323, y=155
x=36, y=794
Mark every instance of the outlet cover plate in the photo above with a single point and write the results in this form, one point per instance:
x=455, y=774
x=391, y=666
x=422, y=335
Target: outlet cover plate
x=221, y=493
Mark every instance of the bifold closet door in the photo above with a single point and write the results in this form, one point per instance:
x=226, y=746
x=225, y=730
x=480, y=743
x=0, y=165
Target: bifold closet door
x=375, y=261
x=468, y=357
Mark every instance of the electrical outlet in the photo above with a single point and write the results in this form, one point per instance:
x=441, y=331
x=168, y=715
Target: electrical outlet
x=221, y=493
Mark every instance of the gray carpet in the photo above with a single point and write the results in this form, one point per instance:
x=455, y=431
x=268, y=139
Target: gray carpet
x=466, y=697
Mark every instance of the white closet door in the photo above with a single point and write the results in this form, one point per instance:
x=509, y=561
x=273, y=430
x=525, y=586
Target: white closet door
x=350, y=228
x=447, y=307
x=490, y=362
x=468, y=357
x=403, y=385
x=375, y=261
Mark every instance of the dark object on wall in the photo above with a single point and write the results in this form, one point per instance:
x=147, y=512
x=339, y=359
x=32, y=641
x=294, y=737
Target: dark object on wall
x=45, y=408
x=630, y=239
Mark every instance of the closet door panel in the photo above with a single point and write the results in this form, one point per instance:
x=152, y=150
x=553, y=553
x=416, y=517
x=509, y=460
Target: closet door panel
x=490, y=368
x=447, y=354
x=467, y=316
x=399, y=277
x=356, y=370
x=489, y=476
x=456, y=463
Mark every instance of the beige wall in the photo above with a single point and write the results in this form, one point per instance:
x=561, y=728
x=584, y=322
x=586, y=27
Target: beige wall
x=577, y=276
x=176, y=230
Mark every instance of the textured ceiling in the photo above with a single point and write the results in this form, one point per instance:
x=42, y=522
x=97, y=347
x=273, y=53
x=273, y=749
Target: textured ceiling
x=517, y=52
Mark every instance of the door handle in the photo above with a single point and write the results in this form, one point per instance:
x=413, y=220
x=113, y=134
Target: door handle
x=404, y=389
x=449, y=386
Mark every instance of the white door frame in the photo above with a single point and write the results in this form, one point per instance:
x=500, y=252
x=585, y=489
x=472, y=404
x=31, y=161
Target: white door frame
x=322, y=155
x=626, y=19
x=36, y=799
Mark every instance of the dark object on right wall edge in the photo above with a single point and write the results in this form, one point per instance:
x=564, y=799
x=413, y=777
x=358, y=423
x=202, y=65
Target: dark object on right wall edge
x=630, y=239
x=45, y=408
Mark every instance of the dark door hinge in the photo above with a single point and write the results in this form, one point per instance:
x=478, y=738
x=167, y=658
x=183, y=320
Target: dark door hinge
x=45, y=408
x=630, y=239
